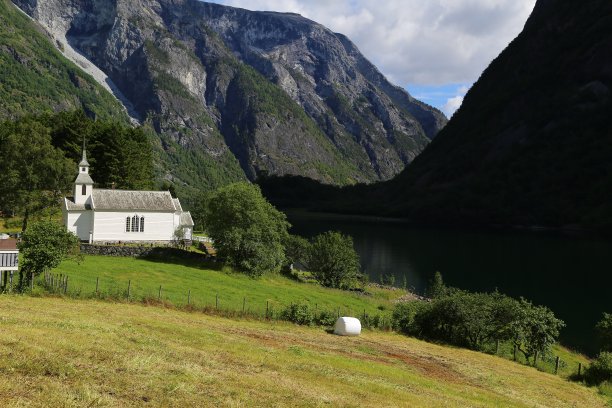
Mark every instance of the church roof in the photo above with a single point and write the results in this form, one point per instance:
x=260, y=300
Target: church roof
x=132, y=200
x=83, y=178
x=185, y=219
x=72, y=206
x=177, y=204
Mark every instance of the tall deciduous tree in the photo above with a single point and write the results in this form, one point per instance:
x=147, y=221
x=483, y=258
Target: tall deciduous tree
x=333, y=260
x=33, y=173
x=43, y=246
x=247, y=230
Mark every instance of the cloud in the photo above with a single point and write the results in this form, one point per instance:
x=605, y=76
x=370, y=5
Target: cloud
x=426, y=42
x=453, y=103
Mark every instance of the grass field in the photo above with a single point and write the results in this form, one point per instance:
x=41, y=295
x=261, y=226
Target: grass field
x=206, y=281
x=88, y=353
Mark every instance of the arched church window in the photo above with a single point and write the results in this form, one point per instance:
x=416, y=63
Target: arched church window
x=83, y=189
x=135, y=223
x=141, y=224
x=127, y=224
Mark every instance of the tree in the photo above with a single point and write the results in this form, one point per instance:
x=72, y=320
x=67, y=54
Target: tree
x=604, y=332
x=536, y=329
x=297, y=250
x=43, y=246
x=333, y=260
x=246, y=229
x=437, y=288
x=33, y=173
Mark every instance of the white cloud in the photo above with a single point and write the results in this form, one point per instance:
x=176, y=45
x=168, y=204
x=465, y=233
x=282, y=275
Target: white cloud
x=454, y=103
x=428, y=42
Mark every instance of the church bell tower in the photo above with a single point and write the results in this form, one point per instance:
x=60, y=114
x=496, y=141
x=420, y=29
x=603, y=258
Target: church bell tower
x=83, y=185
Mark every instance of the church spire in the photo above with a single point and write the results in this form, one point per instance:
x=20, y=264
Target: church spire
x=84, y=161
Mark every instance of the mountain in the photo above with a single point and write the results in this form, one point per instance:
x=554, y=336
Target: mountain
x=530, y=146
x=35, y=77
x=235, y=92
x=532, y=142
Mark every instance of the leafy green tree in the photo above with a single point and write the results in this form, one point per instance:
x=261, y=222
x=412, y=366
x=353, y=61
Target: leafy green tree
x=536, y=330
x=333, y=260
x=33, y=173
x=247, y=230
x=604, y=332
x=43, y=246
x=297, y=250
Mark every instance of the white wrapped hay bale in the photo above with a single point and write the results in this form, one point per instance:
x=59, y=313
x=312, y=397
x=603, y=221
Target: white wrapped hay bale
x=347, y=326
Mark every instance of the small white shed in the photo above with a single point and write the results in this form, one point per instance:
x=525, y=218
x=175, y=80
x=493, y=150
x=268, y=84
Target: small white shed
x=347, y=326
x=9, y=259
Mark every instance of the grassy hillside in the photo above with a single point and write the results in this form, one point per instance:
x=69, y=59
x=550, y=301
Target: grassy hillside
x=88, y=353
x=207, y=281
x=36, y=78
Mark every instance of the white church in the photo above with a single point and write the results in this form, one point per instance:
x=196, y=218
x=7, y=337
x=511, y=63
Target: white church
x=111, y=216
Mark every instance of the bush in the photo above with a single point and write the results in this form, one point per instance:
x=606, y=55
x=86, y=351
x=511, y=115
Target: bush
x=404, y=316
x=297, y=313
x=600, y=370
x=333, y=260
x=326, y=318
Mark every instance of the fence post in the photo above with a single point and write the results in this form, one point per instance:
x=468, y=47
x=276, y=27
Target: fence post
x=128, y=291
x=497, y=347
x=32, y=282
x=159, y=294
x=267, y=308
x=535, y=359
x=97, y=283
x=11, y=279
x=189, y=297
x=66, y=285
x=243, y=304
x=514, y=352
x=557, y=365
x=217, y=301
x=579, y=368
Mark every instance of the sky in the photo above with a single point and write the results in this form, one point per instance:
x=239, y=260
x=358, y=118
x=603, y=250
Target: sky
x=436, y=49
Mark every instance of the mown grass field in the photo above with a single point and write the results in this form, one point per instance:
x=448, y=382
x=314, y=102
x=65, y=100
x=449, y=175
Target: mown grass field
x=88, y=353
x=206, y=281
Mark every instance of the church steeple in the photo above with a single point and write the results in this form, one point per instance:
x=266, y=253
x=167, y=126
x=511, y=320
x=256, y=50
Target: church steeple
x=83, y=185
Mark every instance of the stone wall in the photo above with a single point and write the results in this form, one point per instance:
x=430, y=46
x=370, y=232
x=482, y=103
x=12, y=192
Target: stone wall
x=117, y=250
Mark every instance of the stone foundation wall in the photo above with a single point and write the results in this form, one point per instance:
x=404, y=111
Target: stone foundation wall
x=117, y=250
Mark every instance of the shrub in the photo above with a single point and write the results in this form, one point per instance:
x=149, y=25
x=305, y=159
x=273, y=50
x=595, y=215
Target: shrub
x=326, y=318
x=600, y=370
x=404, y=316
x=297, y=313
x=604, y=331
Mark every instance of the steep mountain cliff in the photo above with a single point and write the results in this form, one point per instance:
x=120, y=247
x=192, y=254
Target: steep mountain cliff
x=275, y=93
x=532, y=142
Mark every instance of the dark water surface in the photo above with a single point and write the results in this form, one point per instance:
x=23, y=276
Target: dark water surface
x=570, y=275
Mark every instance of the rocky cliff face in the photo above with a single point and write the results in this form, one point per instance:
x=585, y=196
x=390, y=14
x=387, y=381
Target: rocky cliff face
x=275, y=93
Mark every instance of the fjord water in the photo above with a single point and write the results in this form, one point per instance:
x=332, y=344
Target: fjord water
x=570, y=275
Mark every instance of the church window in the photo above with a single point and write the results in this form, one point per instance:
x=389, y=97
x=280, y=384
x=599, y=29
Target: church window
x=135, y=223
x=83, y=169
x=127, y=224
x=141, y=224
x=83, y=189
